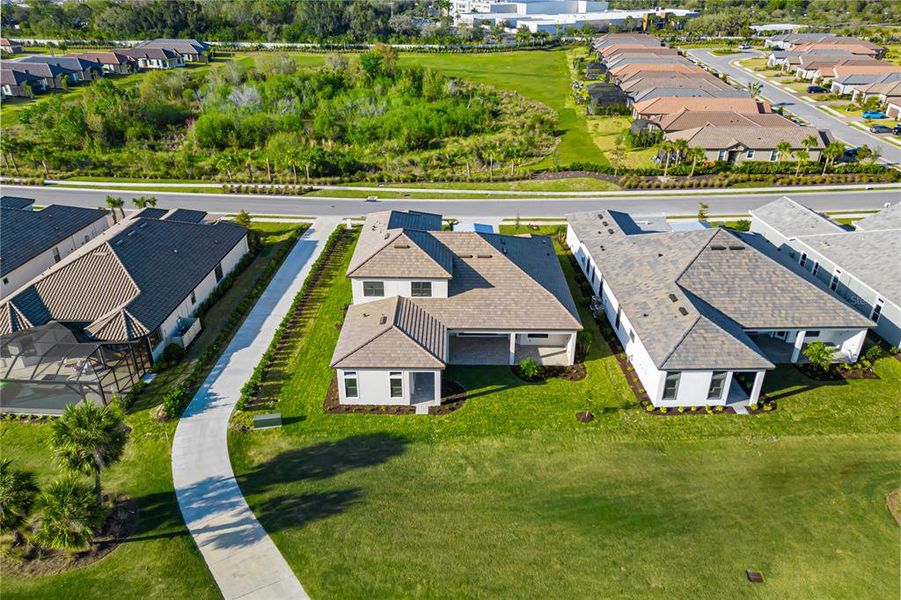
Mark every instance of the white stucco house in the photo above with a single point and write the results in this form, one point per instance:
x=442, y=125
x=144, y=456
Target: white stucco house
x=424, y=298
x=32, y=241
x=703, y=315
x=861, y=266
x=142, y=279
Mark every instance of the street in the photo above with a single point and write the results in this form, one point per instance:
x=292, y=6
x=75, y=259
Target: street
x=721, y=204
x=813, y=115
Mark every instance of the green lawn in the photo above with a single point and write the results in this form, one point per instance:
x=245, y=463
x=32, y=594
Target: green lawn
x=160, y=560
x=512, y=497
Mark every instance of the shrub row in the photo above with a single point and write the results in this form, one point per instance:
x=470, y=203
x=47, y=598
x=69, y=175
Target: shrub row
x=730, y=179
x=272, y=190
x=252, y=386
x=177, y=399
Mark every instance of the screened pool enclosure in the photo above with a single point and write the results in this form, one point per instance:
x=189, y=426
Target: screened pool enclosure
x=48, y=367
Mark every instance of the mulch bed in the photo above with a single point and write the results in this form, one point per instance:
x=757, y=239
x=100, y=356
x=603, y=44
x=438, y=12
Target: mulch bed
x=453, y=395
x=27, y=418
x=575, y=372
x=836, y=373
x=120, y=524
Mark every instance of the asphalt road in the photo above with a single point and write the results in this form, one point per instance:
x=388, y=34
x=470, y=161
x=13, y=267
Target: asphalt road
x=538, y=207
x=813, y=115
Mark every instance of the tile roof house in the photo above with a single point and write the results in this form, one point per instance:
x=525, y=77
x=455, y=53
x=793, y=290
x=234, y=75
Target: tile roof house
x=691, y=119
x=703, y=314
x=32, y=241
x=738, y=144
x=658, y=107
x=424, y=298
x=141, y=279
x=860, y=266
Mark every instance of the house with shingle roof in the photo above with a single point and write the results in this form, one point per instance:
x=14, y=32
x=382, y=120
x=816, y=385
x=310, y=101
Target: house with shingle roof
x=737, y=144
x=154, y=58
x=424, y=298
x=703, y=314
x=83, y=69
x=32, y=241
x=859, y=265
x=691, y=119
x=142, y=279
x=190, y=50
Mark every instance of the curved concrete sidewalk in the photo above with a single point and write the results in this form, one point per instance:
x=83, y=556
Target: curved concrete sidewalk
x=239, y=553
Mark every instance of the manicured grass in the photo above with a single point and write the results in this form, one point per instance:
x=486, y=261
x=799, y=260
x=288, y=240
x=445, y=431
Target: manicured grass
x=511, y=497
x=604, y=131
x=186, y=189
x=160, y=560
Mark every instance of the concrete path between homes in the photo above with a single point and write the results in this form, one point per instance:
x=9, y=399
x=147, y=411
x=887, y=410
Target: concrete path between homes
x=239, y=553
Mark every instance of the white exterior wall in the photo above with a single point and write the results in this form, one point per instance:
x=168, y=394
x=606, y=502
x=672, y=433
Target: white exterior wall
x=395, y=287
x=40, y=263
x=855, y=292
x=201, y=293
x=374, y=387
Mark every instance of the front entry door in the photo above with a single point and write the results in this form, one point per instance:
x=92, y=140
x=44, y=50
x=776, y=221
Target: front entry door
x=423, y=387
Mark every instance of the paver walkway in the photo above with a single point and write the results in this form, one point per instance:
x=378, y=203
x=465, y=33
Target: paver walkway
x=242, y=558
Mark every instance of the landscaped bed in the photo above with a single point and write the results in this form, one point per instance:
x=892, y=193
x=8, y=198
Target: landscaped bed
x=513, y=495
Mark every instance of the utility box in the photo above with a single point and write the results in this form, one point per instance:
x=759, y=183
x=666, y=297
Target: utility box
x=267, y=421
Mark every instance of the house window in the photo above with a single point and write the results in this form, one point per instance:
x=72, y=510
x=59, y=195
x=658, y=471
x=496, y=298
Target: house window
x=397, y=384
x=803, y=260
x=618, y=318
x=671, y=386
x=374, y=288
x=56, y=257
x=836, y=276
x=538, y=336
x=218, y=272
x=749, y=154
x=774, y=156
x=877, y=310
x=717, y=385
x=721, y=155
x=816, y=268
x=350, y=384
x=421, y=289
x=193, y=297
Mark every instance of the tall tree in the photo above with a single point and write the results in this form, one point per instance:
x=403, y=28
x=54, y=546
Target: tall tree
x=802, y=156
x=88, y=438
x=114, y=203
x=832, y=153
x=783, y=150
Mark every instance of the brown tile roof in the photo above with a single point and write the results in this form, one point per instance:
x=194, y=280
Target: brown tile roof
x=690, y=119
x=667, y=105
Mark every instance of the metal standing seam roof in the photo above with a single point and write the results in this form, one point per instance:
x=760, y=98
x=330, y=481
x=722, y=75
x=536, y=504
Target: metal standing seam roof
x=690, y=295
x=24, y=234
x=124, y=283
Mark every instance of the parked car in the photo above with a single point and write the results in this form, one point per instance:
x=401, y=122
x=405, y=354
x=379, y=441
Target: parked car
x=880, y=129
x=372, y=198
x=850, y=155
x=896, y=129
x=816, y=89
x=874, y=114
x=744, y=47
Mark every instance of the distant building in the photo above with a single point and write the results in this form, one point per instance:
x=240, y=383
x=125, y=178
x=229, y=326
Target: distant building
x=8, y=46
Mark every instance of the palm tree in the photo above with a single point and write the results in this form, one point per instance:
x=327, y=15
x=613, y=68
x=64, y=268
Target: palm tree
x=17, y=494
x=754, y=88
x=695, y=155
x=875, y=155
x=802, y=156
x=139, y=202
x=70, y=515
x=88, y=438
x=681, y=148
x=113, y=203
x=151, y=201
x=783, y=149
x=831, y=153
x=667, y=148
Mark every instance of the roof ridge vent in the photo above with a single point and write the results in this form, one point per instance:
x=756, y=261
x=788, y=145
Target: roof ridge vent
x=402, y=246
x=483, y=256
x=683, y=311
x=717, y=247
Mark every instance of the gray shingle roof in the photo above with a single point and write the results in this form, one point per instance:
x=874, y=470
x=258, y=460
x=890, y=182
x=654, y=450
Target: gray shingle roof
x=25, y=234
x=690, y=294
x=149, y=213
x=887, y=218
x=792, y=219
x=185, y=215
x=711, y=137
x=128, y=280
